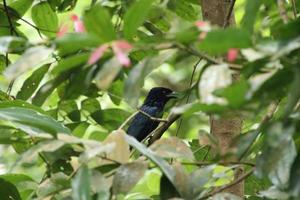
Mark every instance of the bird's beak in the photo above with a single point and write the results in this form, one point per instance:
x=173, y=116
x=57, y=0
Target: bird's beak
x=174, y=95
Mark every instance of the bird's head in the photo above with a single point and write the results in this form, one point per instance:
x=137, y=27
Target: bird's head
x=159, y=96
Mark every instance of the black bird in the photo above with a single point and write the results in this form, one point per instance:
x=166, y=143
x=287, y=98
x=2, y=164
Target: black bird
x=142, y=125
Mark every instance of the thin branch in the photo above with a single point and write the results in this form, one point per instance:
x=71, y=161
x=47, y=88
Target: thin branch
x=208, y=58
x=229, y=13
x=127, y=120
x=271, y=110
x=157, y=133
x=294, y=8
x=189, y=92
x=12, y=29
x=282, y=11
x=199, y=163
x=236, y=181
x=153, y=118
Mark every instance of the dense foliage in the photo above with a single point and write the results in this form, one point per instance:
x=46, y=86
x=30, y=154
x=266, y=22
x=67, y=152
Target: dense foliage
x=75, y=72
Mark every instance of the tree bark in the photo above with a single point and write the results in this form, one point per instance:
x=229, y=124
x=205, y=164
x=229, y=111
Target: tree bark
x=227, y=127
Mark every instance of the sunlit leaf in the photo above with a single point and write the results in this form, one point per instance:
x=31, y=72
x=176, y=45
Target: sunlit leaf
x=31, y=121
x=135, y=16
x=32, y=82
x=98, y=22
x=31, y=58
x=45, y=18
x=81, y=184
x=127, y=176
x=172, y=148
x=231, y=38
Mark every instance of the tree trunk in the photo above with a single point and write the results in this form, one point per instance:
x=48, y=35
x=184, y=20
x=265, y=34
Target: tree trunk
x=226, y=128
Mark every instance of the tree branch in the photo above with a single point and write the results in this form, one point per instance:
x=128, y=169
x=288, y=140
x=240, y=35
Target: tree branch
x=236, y=181
x=282, y=11
x=229, y=13
x=157, y=133
x=12, y=29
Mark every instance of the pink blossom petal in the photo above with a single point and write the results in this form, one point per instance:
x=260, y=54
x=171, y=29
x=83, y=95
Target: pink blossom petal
x=232, y=54
x=74, y=18
x=78, y=24
x=63, y=29
x=201, y=24
x=122, y=44
x=121, y=56
x=97, y=54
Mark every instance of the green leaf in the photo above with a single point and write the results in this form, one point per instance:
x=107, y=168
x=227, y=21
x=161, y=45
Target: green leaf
x=279, y=140
x=98, y=22
x=81, y=184
x=106, y=75
x=8, y=191
x=25, y=184
x=70, y=63
x=286, y=31
x=32, y=83
x=192, y=108
x=161, y=163
x=46, y=90
x=294, y=95
x=231, y=38
x=9, y=44
x=21, y=6
x=31, y=121
x=235, y=94
x=184, y=9
x=57, y=182
x=251, y=10
x=135, y=16
x=70, y=108
x=172, y=147
x=31, y=58
x=90, y=105
x=167, y=189
x=294, y=182
x=21, y=104
x=45, y=18
x=107, y=117
x=127, y=176
x=115, y=92
x=73, y=42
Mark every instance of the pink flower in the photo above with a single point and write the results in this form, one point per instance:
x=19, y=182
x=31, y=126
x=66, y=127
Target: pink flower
x=120, y=49
x=200, y=23
x=63, y=29
x=78, y=24
x=97, y=54
x=232, y=54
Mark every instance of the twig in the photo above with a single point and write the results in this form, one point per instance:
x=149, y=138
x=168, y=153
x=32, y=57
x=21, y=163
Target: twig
x=199, y=163
x=189, y=93
x=12, y=29
x=153, y=118
x=282, y=11
x=294, y=8
x=271, y=110
x=209, y=58
x=229, y=13
x=127, y=120
x=236, y=181
x=157, y=133
x=144, y=113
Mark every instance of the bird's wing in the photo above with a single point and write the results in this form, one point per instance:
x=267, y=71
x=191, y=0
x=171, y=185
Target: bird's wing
x=142, y=125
